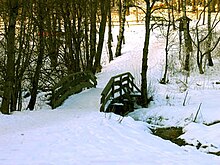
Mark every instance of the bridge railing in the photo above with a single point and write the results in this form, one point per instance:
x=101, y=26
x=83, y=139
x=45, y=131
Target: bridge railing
x=73, y=83
x=117, y=86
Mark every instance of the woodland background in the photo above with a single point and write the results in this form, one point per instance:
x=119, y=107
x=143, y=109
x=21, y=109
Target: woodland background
x=43, y=41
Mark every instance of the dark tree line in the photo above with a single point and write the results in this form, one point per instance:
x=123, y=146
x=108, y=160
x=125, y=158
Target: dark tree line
x=44, y=40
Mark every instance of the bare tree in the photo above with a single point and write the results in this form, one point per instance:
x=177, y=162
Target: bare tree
x=164, y=79
x=144, y=89
x=24, y=52
x=41, y=26
x=104, y=11
x=110, y=37
x=209, y=27
x=187, y=38
x=93, y=32
x=205, y=38
x=10, y=29
x=122, y=19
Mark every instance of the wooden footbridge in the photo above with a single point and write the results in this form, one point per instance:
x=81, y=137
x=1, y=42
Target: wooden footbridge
x=69, y=85
x=120, y=94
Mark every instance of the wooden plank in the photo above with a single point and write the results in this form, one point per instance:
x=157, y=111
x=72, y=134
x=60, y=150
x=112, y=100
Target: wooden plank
x=107, y=87
x=135, y=86
x=105, y=97
x=120, y=75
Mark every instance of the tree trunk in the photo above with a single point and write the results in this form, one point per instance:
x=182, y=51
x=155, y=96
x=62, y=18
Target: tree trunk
x=209, y=56
x=76, y=34
x=37, y=73
x=92, y=33
x=144, y=89
x=110, y=38
x=10, y=66
x=173, y=15
x=20, y=65
x=121, y=31
x=164, y=80
x=193, y=5
x=179, y=6
x=87, y=42
x=53, y=37
x=25, y=52
x=199, y=56
x=204, y=5
x=119, y=12
x=188, y=44
x=104, y=10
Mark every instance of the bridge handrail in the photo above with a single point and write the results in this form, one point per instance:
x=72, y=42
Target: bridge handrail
x=71, y=84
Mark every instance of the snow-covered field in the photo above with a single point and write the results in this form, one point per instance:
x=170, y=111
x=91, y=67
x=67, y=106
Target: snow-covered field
x=76, y=133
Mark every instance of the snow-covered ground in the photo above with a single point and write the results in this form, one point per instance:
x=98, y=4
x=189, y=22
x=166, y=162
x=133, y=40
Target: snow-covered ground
x=76, y=133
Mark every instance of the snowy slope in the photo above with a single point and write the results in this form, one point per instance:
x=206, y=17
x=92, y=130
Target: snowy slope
x=76, y=133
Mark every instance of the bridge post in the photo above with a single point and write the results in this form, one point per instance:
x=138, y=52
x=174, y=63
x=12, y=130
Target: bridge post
x=120, y=86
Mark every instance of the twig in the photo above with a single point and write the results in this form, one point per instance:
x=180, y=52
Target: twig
x=120, y=119
x=184, y=102
x=197, y=112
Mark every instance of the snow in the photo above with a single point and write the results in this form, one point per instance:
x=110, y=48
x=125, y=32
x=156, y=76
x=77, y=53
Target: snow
x=76, y=133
